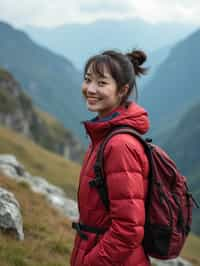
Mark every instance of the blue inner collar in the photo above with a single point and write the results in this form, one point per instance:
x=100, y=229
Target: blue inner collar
x=104, y=119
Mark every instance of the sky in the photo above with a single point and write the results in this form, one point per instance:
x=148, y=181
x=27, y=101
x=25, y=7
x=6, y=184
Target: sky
x=52, y=13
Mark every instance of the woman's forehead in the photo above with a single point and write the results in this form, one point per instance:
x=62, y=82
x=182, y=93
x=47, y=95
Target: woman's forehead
x=98, y=70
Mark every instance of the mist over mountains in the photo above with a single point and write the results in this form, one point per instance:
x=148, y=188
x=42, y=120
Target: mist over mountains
x=79, y=41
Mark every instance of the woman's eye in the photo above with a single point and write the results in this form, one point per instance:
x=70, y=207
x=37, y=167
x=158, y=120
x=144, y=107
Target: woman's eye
x=87, y=79
x=101, y=83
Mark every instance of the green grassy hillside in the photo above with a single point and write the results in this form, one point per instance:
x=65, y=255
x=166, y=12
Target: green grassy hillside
x=41, y=162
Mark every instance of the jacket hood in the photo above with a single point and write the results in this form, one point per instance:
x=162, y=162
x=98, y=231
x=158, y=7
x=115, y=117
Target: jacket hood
x=133, y=115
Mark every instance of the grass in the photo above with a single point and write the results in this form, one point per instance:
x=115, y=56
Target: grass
x=56, y=129
x=48, y=235
x=191, y=250
x=41, y=162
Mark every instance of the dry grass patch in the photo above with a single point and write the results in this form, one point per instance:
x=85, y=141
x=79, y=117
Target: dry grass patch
x=191, y=250
x=48, y=235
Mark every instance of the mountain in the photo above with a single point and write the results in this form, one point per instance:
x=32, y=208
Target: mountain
x=183, y=141
x=50, y=79
x=18, y=112
x=154, y=59
x=174, y=86
x=107, y=34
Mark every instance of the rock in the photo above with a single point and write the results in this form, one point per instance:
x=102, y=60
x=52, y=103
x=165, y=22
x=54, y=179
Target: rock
x=11, y=166
x=10, y=216
x=174, y=262
x=55, y=195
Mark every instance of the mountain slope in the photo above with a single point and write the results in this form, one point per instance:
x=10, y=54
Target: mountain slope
x=18, y=112
x=183, y=141
x=51, y=80
x=175, y=85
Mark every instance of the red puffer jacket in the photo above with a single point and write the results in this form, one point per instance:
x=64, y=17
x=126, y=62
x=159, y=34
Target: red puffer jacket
x=126, y=168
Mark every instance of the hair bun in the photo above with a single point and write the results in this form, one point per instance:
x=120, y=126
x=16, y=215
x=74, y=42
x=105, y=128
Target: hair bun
x=137, y=58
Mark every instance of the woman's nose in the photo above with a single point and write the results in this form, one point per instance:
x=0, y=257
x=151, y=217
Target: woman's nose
x=92, y=88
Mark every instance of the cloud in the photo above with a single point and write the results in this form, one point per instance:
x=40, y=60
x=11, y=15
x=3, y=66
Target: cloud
x=53, y=13
x=112, y=6
x=168, y=10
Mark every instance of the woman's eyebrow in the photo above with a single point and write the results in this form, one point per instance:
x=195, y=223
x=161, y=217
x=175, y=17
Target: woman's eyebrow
x=88, y=74
x=98, y=76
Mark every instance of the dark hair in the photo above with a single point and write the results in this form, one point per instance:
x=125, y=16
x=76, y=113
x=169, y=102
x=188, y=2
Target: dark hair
x=123, y=68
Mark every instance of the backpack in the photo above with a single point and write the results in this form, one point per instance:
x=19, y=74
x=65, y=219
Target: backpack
x=168, y=204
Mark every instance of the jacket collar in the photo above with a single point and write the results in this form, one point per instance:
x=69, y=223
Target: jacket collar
x=133, y=115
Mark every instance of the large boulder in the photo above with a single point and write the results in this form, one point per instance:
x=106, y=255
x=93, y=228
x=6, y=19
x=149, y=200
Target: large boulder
x=10, y=215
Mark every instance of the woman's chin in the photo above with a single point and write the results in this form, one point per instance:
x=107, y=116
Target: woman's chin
x=92, y=108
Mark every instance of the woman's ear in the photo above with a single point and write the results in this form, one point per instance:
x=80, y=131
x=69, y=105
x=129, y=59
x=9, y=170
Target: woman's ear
x=124, y=91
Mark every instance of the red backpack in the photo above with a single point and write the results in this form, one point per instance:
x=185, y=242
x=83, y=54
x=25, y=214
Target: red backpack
x=169, y=202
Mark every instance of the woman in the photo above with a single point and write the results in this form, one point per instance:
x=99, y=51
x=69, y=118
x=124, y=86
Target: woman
x=109, y=79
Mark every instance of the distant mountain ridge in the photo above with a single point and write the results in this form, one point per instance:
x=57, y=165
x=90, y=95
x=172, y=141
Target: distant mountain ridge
x=174, y=87
x=51, y=80
x=80, y=41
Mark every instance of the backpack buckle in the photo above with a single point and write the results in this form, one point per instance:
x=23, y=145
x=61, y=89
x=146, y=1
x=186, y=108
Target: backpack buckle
x=96, y=182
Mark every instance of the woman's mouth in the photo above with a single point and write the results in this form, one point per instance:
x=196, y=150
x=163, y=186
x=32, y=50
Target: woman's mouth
x=92, y=100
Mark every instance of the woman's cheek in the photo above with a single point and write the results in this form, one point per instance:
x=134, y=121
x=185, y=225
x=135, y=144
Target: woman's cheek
x=84, y=91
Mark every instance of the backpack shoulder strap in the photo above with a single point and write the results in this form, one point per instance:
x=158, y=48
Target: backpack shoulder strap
x=99, y=181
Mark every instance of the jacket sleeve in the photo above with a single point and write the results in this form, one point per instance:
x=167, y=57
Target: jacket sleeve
x=124, y=177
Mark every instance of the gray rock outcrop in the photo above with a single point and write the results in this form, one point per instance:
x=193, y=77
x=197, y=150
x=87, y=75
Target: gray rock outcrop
x=55, y=195
x=10, y=215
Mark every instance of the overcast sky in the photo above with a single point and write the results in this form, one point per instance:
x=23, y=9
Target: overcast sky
x=57, y=12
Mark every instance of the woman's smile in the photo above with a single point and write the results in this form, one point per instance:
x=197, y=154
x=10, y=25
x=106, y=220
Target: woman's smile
x=100, y=92
x=93, y=100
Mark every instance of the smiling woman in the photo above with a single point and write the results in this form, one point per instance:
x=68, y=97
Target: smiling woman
x=107, y=83
x=113, y=237
x=100, y=92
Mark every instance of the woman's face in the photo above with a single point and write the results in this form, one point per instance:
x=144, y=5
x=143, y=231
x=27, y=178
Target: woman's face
x=100, y=92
